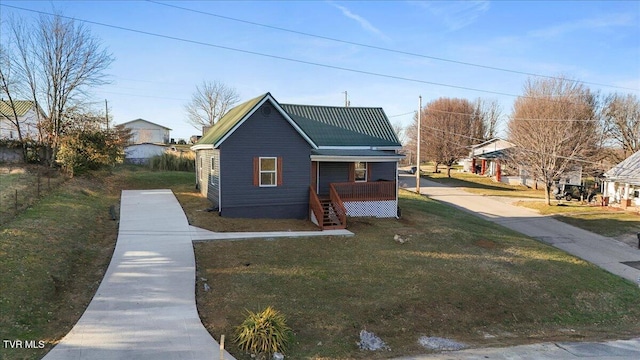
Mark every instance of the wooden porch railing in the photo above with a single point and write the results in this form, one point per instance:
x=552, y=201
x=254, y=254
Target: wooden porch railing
x=316, y=207
x=365, y=191
x=338, y=205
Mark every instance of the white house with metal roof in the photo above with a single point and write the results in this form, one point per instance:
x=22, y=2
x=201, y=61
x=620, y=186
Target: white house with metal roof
x=27, y=119
x=622, y=184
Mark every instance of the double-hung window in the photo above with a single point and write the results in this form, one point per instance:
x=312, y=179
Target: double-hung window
x=268, y=171
x=360, y=171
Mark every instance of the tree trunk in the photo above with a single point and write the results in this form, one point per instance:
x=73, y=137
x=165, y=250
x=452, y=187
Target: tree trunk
x=448, y=171
x=547, y=193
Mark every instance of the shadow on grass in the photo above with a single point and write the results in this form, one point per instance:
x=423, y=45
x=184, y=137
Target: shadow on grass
x=603, y=225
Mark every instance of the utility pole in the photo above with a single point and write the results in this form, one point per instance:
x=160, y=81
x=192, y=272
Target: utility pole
x=106, y=112
x=418, y=147
x=346, y=99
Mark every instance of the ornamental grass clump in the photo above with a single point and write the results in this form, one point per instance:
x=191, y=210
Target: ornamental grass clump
x=263, y=333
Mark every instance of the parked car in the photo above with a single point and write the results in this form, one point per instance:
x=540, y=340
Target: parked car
x=413, y=170
x=568, y=192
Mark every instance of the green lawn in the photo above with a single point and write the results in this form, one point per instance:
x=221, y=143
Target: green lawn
x=458, y=277
x=606, y=221
x=22, y=186
x=478, y=184
x=54, y=253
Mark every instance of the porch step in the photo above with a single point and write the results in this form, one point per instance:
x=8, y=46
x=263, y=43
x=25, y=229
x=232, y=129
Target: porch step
x=330, y=218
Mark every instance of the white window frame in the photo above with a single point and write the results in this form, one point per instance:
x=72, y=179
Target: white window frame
x=200, y=172
x=274, y=171
x=212, y=169
x=355, y=169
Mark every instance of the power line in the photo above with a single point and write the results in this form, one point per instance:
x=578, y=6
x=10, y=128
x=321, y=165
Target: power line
x=380, y=48
x=518, y=119
x=371, y=73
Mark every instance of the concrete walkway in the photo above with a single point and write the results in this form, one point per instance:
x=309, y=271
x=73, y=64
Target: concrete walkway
x=145, y=306
x=602, y=251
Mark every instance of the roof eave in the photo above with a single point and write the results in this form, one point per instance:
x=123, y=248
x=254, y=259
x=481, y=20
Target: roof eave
x=355, y=158
x=202, y=147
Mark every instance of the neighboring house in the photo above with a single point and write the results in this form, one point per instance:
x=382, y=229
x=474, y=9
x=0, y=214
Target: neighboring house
x=147, y=140
x=141, y=153
x=269, y=160
x=27, y=118
x=143, y=132
x=622, y=184
x=486, y=158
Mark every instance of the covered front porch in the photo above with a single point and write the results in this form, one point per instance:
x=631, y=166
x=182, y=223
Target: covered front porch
x=354, y=183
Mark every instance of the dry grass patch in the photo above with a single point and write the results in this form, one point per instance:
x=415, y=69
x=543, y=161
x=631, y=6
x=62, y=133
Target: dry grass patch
x=22, y=186
x=458, y=277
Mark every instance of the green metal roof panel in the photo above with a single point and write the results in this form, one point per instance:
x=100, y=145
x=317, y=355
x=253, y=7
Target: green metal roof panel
x=228, y=121
x=22, y=106
x=343, y=126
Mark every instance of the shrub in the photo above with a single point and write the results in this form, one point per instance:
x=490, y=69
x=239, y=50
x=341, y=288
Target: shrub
x=265, y=332
x=171, y=162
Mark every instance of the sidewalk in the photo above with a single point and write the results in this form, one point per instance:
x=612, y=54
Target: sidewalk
x=145, y=306
x=610, y=350
x=602, y=251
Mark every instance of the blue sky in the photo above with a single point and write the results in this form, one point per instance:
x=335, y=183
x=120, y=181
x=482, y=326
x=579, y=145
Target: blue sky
x=153, y=77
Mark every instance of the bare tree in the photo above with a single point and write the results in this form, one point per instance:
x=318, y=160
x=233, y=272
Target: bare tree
x=209, y=103
x=554, y=127
x=448, y=127
x=9, y=88
x=400, y=132
x=621, y=116
x=489, y=113
x=59, y=60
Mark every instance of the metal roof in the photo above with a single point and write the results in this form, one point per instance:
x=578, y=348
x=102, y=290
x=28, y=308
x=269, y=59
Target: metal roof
x=344, y=126
x=147, y=121
x=324, y=126
x=627, y=171
x=229, y=120
x=22, y=107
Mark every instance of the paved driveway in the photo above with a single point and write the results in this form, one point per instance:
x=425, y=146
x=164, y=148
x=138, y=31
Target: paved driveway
x=602, y=251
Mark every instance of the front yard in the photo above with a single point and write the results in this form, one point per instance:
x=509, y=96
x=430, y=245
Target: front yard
x=457, y=277
x=607, y=221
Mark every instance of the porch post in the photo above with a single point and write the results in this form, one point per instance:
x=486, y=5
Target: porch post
x=484, y=166
x=473, y=165
x=498, y=171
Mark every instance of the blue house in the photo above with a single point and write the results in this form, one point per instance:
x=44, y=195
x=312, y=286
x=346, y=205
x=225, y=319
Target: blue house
x=269, y=160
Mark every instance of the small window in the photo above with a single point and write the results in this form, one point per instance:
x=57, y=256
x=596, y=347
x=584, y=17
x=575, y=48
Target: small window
x=268, y=171
x=361, y=171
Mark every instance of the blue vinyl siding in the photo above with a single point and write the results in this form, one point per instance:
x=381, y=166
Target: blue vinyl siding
x=213, y=183
x=331, y=172
x=265, y=135
x=382, y=171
